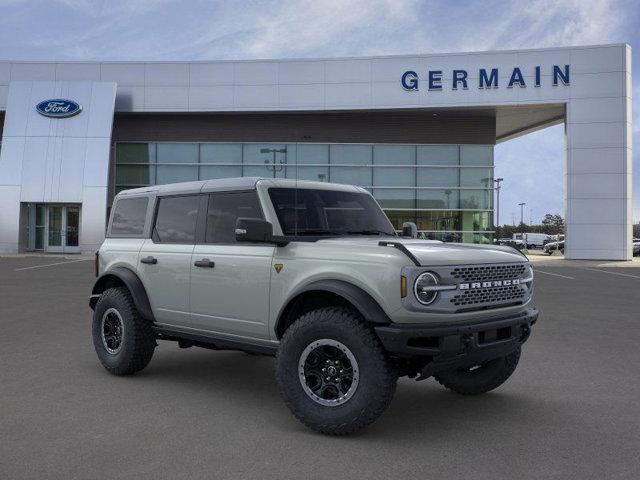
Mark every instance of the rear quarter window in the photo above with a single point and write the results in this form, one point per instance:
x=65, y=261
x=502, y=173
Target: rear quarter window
x=129, y=216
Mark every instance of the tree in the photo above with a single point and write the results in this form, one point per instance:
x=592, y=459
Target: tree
x=554, y=221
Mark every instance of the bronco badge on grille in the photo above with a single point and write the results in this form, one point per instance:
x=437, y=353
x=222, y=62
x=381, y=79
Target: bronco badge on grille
x=493, y=283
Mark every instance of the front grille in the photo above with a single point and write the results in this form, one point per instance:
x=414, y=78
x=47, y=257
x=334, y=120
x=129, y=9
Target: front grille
x=481, y=273
x=513, y=293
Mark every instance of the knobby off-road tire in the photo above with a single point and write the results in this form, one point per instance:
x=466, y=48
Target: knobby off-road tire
x=340, y=334
x=123, y=339
x=481, y=379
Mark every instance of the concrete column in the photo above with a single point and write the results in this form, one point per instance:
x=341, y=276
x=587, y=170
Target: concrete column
x=598, y=171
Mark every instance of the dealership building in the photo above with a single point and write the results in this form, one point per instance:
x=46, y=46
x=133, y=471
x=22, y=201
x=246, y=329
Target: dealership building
x=417, y=131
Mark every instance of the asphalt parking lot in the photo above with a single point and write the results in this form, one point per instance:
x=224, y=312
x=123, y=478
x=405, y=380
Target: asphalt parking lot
x=571, y=410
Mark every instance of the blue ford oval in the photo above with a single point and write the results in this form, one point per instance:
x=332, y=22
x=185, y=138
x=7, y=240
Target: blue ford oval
x=58, y=108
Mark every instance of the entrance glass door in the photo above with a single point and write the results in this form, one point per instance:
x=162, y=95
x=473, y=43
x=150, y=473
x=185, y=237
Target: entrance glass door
x=60, y=230
x=55, y=229
x=72, y=229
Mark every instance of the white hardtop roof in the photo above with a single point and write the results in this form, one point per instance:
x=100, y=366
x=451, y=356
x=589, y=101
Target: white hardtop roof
x=231, y=184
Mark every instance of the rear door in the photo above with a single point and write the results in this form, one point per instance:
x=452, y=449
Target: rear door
x=229, y=280
x=164, y=263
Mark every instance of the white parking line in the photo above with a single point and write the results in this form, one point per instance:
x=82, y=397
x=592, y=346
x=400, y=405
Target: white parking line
x=51, y=264
x=554, y=274
x=611, y=273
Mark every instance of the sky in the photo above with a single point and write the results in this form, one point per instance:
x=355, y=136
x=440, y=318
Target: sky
x=532, y=165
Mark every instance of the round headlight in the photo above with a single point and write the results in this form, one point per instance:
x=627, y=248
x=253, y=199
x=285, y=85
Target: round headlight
x=422, y=290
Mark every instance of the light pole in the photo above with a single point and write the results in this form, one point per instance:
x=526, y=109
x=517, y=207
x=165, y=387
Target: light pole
x=522, y=204
x=497, y=181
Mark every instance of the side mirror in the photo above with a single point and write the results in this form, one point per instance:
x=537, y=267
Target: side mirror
x=410, y=230
x=254, y=230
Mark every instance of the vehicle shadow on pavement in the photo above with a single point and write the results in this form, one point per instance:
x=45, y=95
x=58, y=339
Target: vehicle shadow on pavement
x=248, y=383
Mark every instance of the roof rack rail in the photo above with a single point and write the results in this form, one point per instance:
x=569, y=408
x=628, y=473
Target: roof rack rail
x=400, y=246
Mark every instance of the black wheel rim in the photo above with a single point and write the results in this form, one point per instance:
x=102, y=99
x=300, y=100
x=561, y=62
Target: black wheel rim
x=112, y=331
x=328, y=372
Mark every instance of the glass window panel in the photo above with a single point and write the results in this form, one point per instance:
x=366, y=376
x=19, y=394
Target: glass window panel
x=476, y=177
x=477, y=221
x=312, y=153
x=394, y=177
x=440, y=199
x=209, y=172
x=395, y=198
x=129, y=216
x=40, y=216
x=135, y=153
x=307, y=154
x=176, y=219
x=438, y=220
x=438, y=155
x=176, y=173
x=318, y=174
x=221, y=153
x=438, y=177
x=476, y=155
x=351, y=175
x=177, y=152
x=394, y=155
x=398, y=217
x=261, y=164
x=135, y=175
x=482, y=238
x=224, y=209
x=476, y=199
x=350, y=155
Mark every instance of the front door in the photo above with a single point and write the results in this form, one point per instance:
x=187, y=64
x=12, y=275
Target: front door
x=229, y=280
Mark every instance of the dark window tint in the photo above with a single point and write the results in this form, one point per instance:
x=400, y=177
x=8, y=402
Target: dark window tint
x=128, y=216
x=176, y=219
x=224, y=210
x=328, y=212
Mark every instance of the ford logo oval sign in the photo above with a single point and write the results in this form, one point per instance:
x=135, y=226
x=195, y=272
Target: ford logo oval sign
x=58, y=108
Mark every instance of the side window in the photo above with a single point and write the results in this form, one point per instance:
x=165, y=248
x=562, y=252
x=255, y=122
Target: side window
x=128, y=216
x=224, y=209
x=176, y=219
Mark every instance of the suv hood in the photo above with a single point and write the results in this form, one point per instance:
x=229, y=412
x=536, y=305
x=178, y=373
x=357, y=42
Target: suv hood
x=433, y=252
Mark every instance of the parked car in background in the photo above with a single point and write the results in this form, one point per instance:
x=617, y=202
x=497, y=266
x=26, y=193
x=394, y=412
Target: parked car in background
x=532, y=240
x=636, y=247
x=551, y=247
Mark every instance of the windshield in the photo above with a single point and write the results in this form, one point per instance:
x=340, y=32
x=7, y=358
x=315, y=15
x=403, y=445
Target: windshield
x=328, y=212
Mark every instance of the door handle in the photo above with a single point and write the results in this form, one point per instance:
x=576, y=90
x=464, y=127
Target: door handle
x=204, y=263
x=149, y=260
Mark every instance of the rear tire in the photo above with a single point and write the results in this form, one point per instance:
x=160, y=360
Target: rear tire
x=480, y=379
x=340, y=400
x=123, y=340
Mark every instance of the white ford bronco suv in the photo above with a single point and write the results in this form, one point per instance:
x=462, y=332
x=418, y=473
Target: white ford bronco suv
x=314, y=274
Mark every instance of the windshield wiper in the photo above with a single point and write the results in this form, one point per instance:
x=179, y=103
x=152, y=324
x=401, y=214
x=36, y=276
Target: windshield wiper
x=317, y=231
x=369, y=232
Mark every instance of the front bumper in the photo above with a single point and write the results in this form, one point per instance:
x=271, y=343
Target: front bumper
x=460, y=345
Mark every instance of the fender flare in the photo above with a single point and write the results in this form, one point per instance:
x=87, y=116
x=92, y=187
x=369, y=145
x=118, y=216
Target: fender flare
x=133, y=284
x=370, y=310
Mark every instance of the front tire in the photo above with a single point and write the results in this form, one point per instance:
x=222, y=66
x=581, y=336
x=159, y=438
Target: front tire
x=481, y=378
x=333, y=373
x=122, y=339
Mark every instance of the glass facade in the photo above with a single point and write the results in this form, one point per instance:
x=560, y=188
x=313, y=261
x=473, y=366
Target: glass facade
x=447, y=190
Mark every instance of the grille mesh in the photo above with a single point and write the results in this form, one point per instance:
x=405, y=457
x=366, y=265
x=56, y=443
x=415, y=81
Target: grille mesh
x=489, y=295
x=490, y=272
